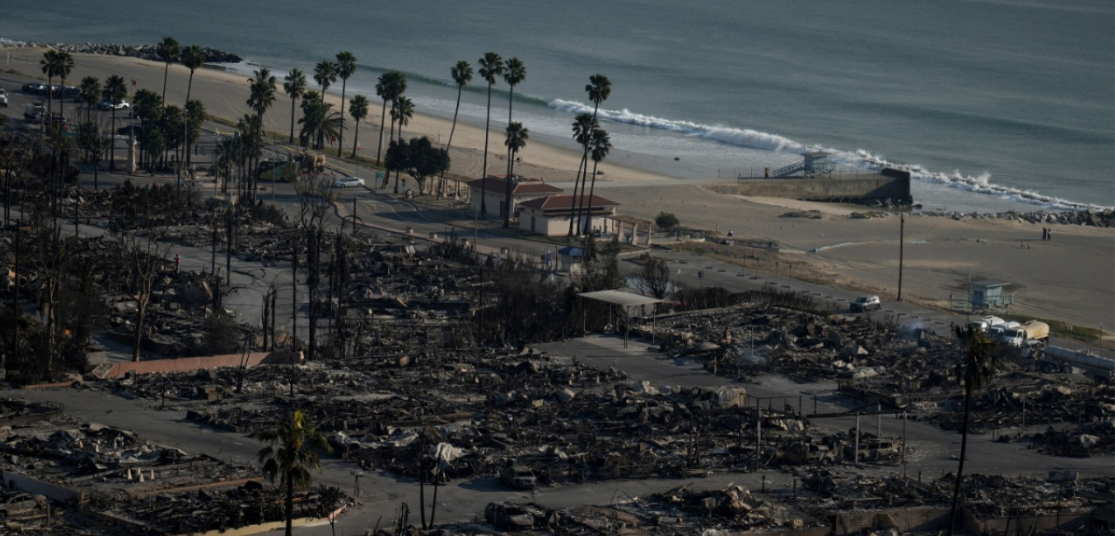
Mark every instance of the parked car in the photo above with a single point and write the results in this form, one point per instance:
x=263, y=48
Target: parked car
x=130, y=130
x=108, y=105
x=508, y=516
x=348, y=181
x=3, y=97
x=866, y=303
x=517, y=477
x=37, y=88
x=72, y=93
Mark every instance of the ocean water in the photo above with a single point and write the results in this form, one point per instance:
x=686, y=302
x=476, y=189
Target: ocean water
x=994, y=104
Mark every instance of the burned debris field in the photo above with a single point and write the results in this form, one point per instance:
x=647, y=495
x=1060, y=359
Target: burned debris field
x=422, y=363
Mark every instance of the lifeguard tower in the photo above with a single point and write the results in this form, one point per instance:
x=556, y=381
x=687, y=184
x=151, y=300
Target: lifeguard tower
x=989, y=296
x=812, y=165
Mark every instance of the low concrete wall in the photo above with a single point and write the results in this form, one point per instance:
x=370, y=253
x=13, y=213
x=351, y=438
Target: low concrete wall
x=890, y=184
x=183, y=364
x=924, y=519
x=16, y=481
x=1032, y=524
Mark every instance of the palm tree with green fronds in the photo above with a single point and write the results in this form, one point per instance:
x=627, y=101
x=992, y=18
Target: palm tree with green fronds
x=191, y=57
x=517, y=136
x=599, y=147
x=388, y=88
x=260, y=98
x=149, y=107
x=291, y=452
x=167, y=50
x=65, y=66
x=116, y=90
x=583, y=126
x=318, y=121
x=976, y=367
x=491, y=66
x=49, y=67
x=295, y=86
x=401, y=111
x=599, y=88
x=90, y=94
x=358, y=109
x=514, y=74
x=462, y=75
x=325, y=73
x=346, y=67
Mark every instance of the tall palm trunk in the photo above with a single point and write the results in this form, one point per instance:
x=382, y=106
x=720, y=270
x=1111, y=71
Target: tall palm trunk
x=290, y=505
x=573, y=213
x=584, y=164
x=963, y=456
x=292, y=104
x=450, y=144
x=484, y=172
x=341, y=130
x=389, y=138
x=588, y=214
x=186, y=122
x=112, y=140
x=356, y=139
x=379, y=149
x=62, y=100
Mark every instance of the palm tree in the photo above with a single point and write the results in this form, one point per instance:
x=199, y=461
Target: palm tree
x=167, y=50
x=90, y=94
x=977, y=368
x=295, y=87
x=318, y=121
x=346, y=67
x=583, y=125
x=148, y=106
x=388, y=88
x=462, y=75
x=599, y=147
x=517, y=136
x=402, y=111
x=290, y=454
x=491, y=66
x=192, y=57
x=195, y=116
x=514, y=75
x=116, y=90
x=325, y=73
x=261, y=98
x=49, y=66
x=358, y=109
x=65, y=65
x=599, y=89
x=56, y=63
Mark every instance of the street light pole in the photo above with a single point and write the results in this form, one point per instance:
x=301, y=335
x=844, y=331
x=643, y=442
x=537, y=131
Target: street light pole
x=901, y=248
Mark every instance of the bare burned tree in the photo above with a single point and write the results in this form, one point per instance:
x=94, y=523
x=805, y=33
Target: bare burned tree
x=653, y=277
x=315, y=202
x=143, y=256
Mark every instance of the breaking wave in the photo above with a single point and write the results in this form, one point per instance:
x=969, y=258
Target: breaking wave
x=753, y=139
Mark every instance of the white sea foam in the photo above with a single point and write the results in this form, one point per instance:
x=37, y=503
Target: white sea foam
x=752, y=139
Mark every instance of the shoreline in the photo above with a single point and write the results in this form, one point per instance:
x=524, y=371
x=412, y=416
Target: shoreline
x=1070, y=278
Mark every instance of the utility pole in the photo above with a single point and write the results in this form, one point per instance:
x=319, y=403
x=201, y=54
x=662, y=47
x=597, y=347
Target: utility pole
x=901, y=249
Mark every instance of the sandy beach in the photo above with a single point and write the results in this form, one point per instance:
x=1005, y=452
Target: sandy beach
x=1070, y=278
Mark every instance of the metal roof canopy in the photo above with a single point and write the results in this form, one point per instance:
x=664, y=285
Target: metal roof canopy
x=619, y=297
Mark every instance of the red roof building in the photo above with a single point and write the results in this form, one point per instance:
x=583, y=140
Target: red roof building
x=493, y=191
x=550, y=215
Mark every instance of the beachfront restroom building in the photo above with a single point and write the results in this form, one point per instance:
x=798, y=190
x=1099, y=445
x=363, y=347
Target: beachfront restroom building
x=494, y=191
x=549, y=215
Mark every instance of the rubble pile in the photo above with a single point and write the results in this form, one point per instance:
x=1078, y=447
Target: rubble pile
x=838, y=491
x=993, y=496
x=141, y=486
x=732, y=507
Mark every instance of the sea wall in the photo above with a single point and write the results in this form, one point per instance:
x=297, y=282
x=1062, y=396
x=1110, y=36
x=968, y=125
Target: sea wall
x=147, y=52
x=889, y=188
